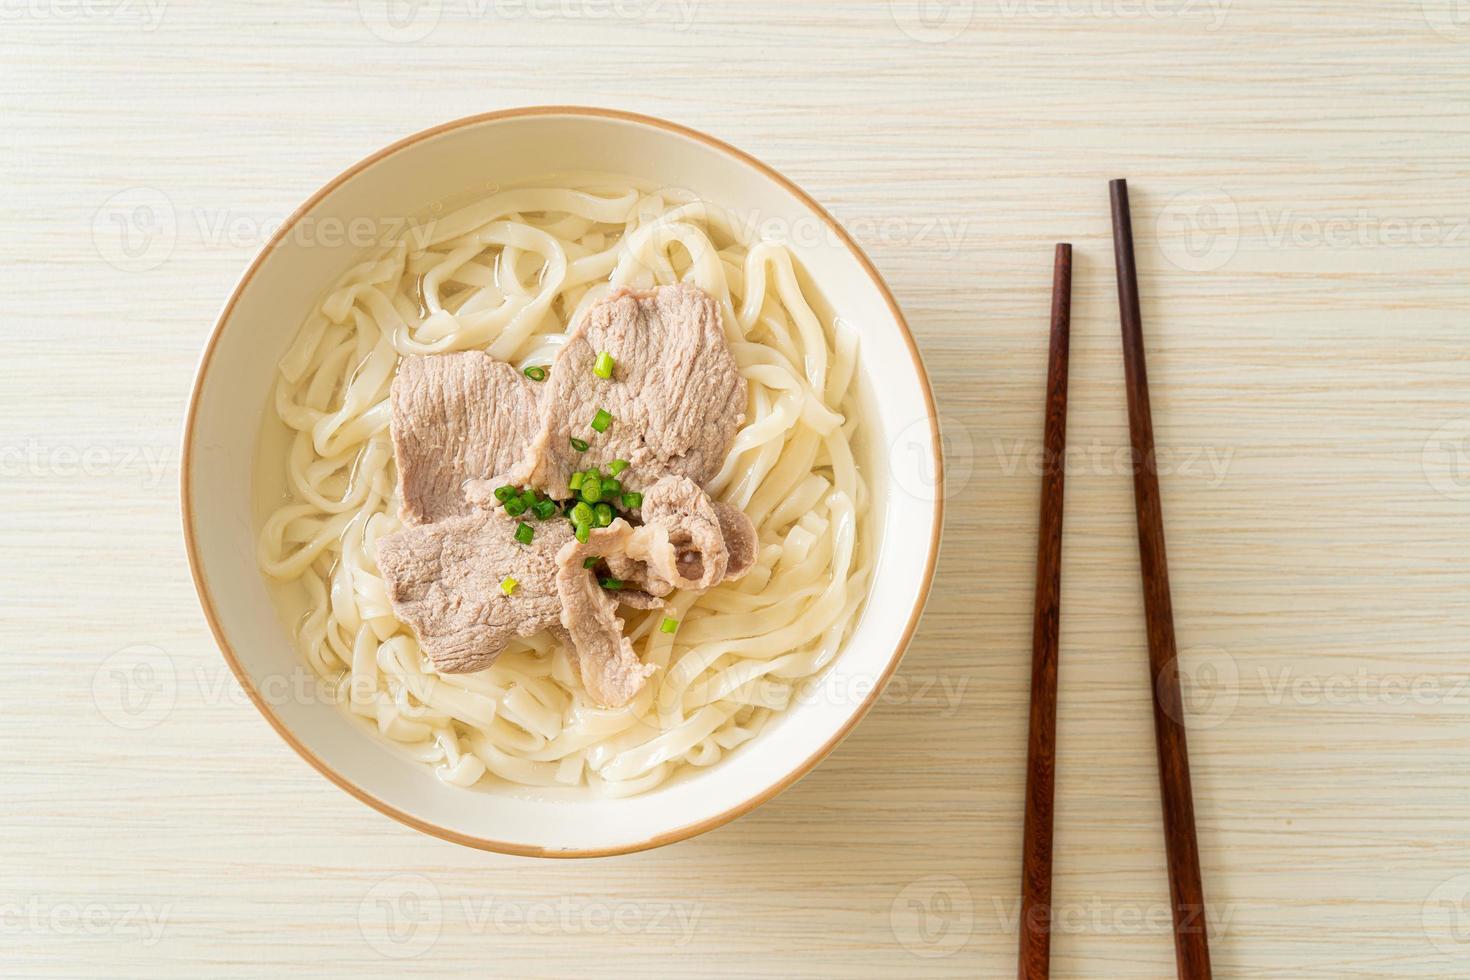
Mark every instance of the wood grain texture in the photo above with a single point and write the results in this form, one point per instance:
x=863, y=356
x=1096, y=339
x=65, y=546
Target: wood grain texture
x=1298, y=173
x=1034, y=960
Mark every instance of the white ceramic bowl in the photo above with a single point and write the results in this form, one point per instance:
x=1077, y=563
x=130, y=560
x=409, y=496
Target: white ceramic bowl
x=283, y=283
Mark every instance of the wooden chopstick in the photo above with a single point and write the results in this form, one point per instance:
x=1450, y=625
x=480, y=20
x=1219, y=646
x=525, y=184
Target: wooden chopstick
x=1035, y=952
x=1191, y=942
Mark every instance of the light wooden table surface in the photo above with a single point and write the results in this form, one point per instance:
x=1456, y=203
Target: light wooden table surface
x=1300, y=175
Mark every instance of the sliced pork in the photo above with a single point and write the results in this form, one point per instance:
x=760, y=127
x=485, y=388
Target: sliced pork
x=687, y=541
x=464, y=425
x=457, y=417
x=611, y=672
x=740, y=539
x=444, y=580
x=674, y=401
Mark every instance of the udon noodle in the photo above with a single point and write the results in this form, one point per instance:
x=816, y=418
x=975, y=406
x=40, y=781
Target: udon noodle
x=510, y=274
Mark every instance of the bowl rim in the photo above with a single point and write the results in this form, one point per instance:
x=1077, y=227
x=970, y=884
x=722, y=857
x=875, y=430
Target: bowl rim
x=206, y=599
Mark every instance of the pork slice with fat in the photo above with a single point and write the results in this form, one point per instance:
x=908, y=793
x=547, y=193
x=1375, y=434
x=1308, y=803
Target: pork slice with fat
x=611, y=672
x=676, y=396
x=456, y=417
x=444, y=580
x=688, y=541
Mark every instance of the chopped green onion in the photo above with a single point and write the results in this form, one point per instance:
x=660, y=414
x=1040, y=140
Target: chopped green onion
x=544, y=509
x=668, y=625
x=529, y=498
x=582, y=514
x=575, y=483
x=611, y=583
x=591, y=475
x=604, y=515
x=525, y=532
x=601, y=420
x=611, y=488
x=515, y=506
x=583, y=530
x=580, y=445
x=591, y=562
x=592, y=491
x=604, y=366
x=632, y=501
x=504, y=493
x=535, y=373
x=508, y=585
x=617, y=466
